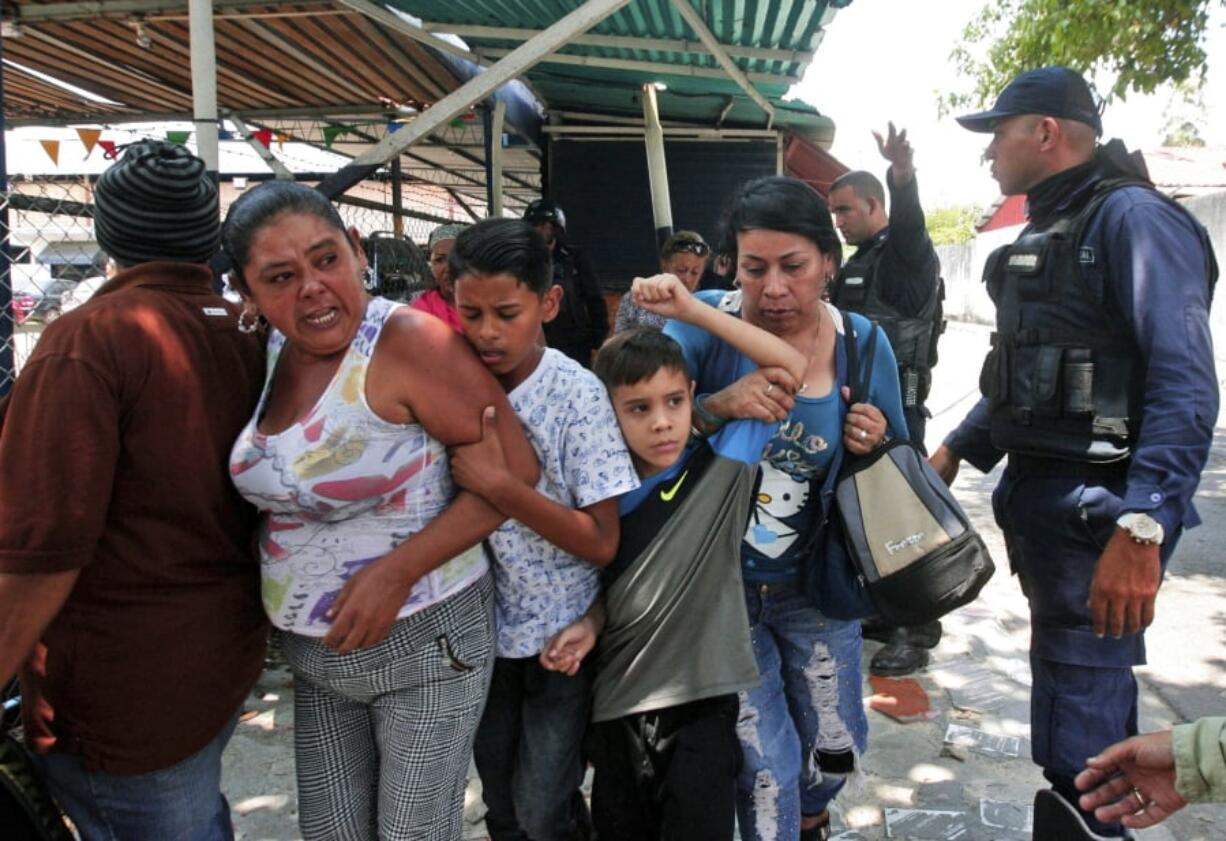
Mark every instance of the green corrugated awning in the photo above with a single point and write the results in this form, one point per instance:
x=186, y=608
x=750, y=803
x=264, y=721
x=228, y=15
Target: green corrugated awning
x=602, y=71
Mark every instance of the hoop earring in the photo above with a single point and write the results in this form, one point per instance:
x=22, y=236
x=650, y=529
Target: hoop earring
x=249, y=320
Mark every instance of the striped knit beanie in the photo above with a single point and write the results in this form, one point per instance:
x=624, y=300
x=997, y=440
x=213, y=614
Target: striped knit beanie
x=157, y=203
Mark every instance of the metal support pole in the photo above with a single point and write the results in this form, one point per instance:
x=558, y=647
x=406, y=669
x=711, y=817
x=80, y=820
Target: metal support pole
x=8, y=366
x=657, y=167
x=397, y=199
x=204, y=81
x=495, y=157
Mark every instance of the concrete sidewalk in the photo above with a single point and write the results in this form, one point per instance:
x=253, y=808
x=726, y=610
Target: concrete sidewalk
x=916, y=785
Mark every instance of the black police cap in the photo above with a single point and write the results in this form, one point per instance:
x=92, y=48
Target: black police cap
x=1050, y=91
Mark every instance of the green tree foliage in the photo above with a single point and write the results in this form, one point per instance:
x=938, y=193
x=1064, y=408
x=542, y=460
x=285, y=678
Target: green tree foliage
x=1142, y=44
x=953, y=225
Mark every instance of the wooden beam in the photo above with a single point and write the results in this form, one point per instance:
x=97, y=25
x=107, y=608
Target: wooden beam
x=94, y=9
x=497, y=120
x=279, y=169
x=694, y=19
x=398, y=24
x=474, y=90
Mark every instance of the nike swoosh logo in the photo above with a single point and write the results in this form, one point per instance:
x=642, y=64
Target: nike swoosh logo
x=668, y=495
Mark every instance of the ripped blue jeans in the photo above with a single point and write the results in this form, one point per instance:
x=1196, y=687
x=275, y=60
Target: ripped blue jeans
x=803, y=728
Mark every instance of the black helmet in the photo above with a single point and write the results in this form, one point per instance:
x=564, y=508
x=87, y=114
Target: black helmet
x=544, y=210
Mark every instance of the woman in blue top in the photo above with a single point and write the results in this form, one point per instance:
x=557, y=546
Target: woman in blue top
x=803, y=729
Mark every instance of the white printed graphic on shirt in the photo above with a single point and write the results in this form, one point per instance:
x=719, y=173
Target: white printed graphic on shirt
x=779, y=498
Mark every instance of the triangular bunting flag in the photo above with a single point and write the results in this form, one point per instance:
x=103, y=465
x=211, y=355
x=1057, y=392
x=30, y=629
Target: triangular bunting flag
x=282, y=139
x=263, y=135
x=394, y=127
x=224, y=134
x=179, y=137
x=52, y=148
x=89, y=137
x=333, y=132
x=108, y=149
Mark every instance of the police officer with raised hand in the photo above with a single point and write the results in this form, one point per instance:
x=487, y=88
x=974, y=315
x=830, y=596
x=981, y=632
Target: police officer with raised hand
x=894, y=279
x=1100, y=388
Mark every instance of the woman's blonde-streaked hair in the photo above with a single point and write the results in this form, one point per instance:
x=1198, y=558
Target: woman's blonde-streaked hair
x=682, y=239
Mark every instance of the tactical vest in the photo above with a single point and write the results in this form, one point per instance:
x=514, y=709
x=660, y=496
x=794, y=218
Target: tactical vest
x=1064, y=378
x=913, y=339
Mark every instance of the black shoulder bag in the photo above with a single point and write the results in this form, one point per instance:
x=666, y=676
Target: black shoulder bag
x=905, y=534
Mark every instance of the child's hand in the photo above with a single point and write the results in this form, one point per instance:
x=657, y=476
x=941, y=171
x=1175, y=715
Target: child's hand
x=481, y=467
x=663, y=294
x=566, y=649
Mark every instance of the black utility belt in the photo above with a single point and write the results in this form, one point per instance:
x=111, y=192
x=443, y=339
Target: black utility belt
x=1028, y=465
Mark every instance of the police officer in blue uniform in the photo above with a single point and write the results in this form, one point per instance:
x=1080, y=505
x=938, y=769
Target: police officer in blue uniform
x=894, y=278
x=1100, y=389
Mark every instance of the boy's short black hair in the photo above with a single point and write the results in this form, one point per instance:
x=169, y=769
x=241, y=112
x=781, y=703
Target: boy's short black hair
x=636, y=355
x=503, y=246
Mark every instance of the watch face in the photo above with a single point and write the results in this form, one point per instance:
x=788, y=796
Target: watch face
x=1146, y=529
x=1143, y=528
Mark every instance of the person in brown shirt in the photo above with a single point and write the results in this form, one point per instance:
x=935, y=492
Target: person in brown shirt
x=127, y=558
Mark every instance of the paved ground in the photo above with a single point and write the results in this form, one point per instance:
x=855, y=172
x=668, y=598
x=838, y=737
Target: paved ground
x=915, y=785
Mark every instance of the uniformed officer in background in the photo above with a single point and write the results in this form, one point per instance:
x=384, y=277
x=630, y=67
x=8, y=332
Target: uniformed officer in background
x=1100, y=388
x=894, y=278
x=582, y=322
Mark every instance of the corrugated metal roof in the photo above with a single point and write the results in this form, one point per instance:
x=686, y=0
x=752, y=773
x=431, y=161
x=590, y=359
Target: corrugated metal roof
x=270, y=56
x=305, y=67
x=648, y=41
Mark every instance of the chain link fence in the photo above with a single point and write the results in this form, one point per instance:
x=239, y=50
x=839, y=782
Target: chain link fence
x=53, y=262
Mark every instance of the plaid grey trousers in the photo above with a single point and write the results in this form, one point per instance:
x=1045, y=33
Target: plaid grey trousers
x=383, y=735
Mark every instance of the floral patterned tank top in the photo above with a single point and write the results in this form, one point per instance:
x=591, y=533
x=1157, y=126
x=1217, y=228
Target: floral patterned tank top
x=340, y=488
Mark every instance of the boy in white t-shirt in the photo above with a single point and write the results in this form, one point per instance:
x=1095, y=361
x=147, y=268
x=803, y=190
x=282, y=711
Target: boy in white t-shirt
x=547, y=555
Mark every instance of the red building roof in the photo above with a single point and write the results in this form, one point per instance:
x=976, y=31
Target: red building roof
x=811, y=163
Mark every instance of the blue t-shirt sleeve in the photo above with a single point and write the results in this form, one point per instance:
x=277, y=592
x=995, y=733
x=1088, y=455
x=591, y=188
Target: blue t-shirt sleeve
x=696, y=343
x=743, y=440
x=712, y=363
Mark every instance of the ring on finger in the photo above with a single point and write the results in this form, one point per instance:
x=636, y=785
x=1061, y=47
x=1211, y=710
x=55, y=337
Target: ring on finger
x=769, y=386
x=1142, y=804
x=863, y=434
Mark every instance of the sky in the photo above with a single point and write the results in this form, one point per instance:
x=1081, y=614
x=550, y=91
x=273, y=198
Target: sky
x=885, y=60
